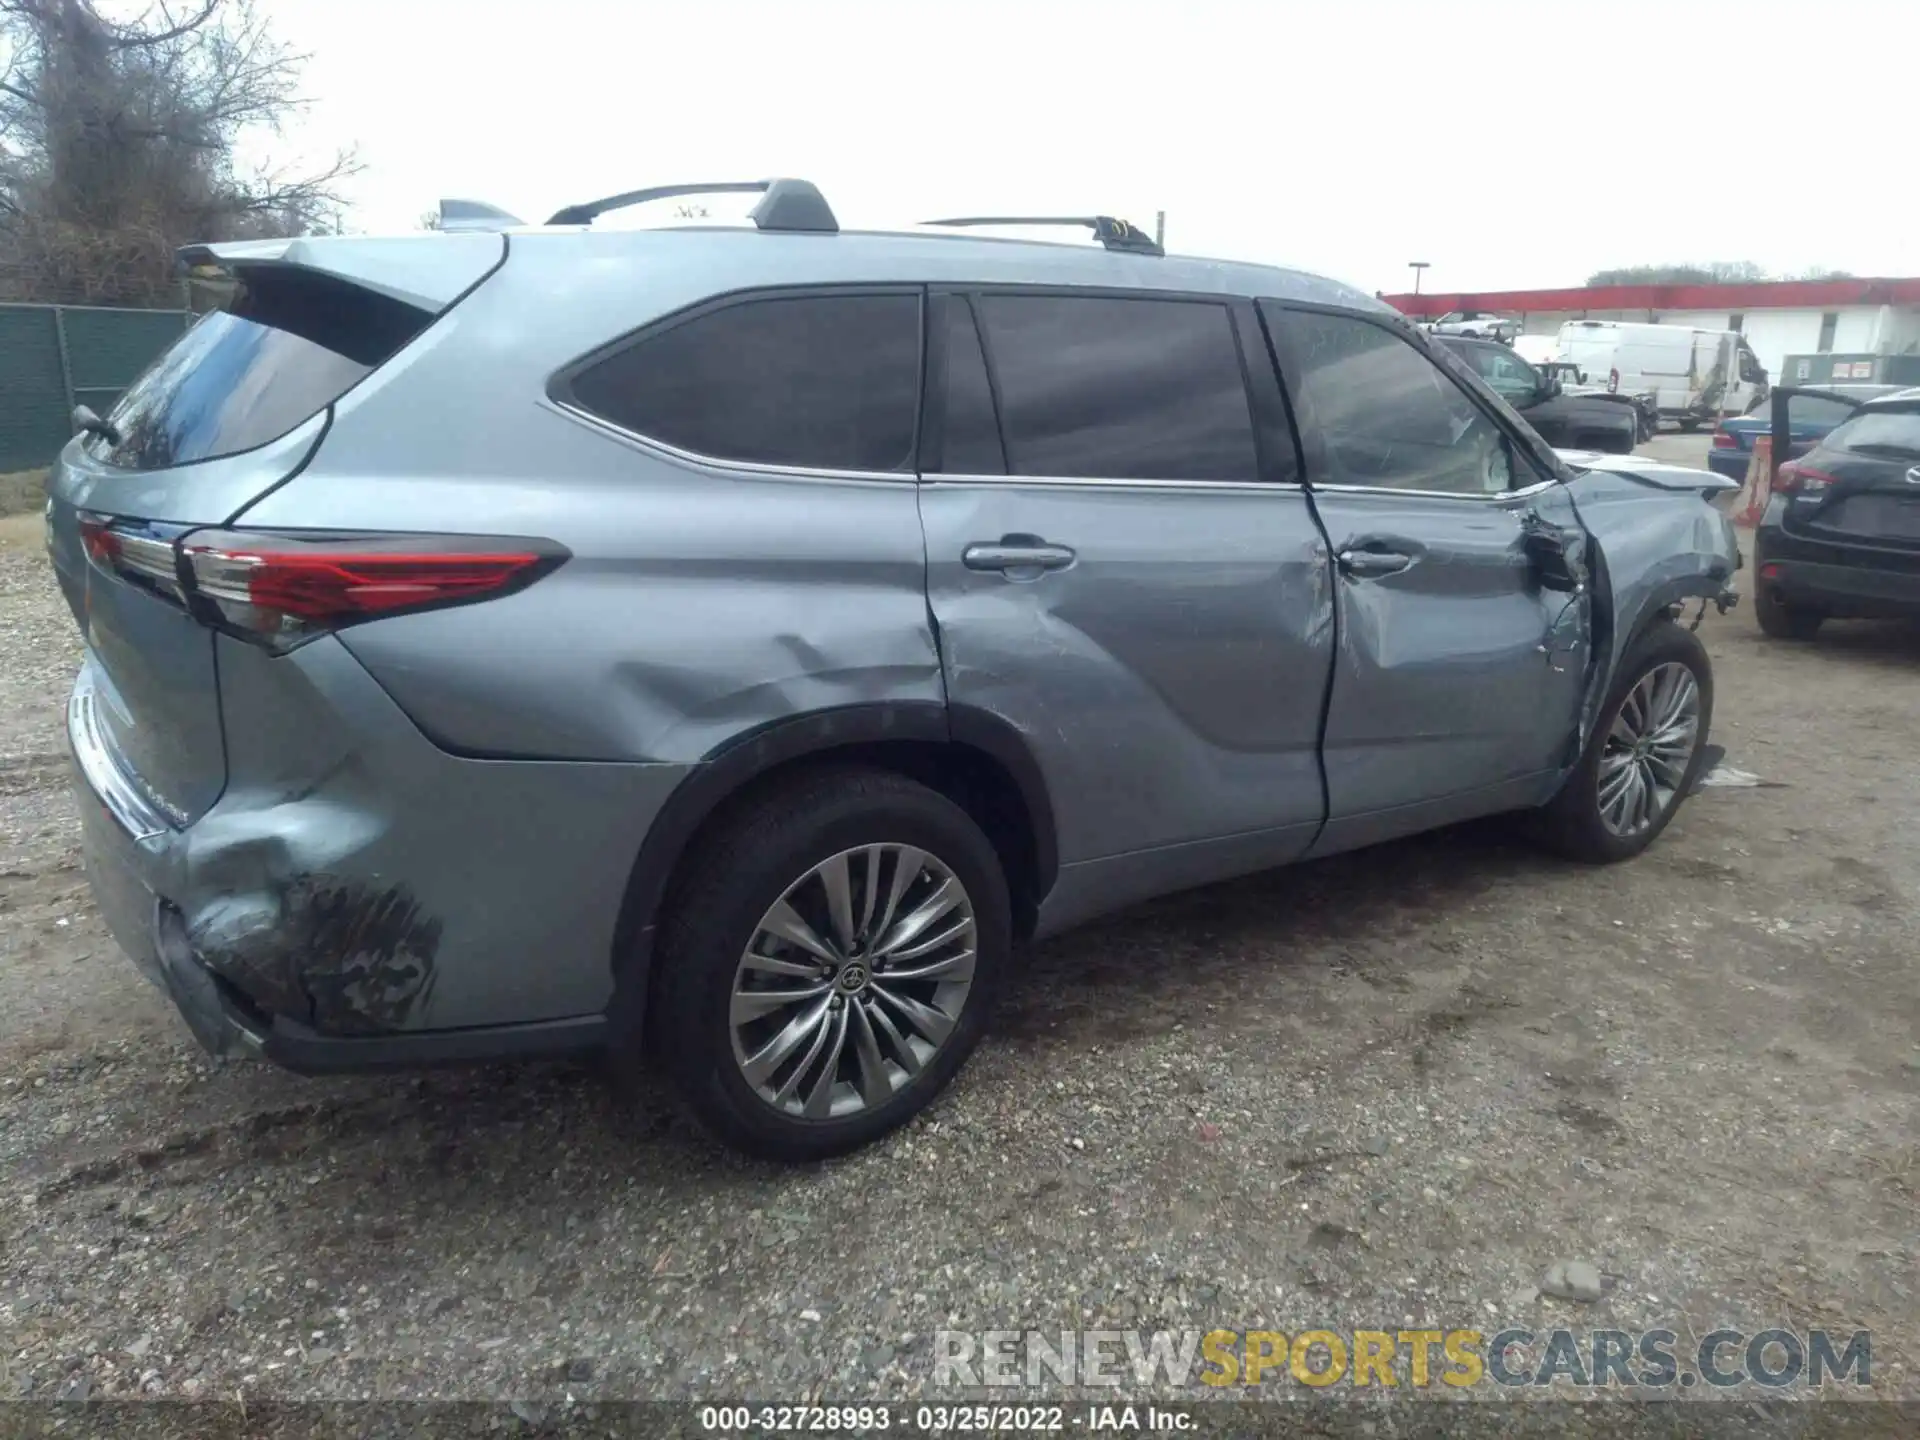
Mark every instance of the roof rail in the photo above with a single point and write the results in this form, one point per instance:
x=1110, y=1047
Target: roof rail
x=462, y=215
x=1113, y=233
x=786, y=204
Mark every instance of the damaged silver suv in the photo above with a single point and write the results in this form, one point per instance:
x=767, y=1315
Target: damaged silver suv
x=727, y=644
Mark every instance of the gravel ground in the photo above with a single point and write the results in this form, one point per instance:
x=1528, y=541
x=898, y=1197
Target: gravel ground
x=1387, y=1089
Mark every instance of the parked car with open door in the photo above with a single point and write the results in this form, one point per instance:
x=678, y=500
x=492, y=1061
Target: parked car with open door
x=1815, y=412
x=1840, y=537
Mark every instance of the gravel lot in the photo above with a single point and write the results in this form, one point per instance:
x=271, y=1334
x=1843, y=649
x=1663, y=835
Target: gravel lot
x=1388, y=1089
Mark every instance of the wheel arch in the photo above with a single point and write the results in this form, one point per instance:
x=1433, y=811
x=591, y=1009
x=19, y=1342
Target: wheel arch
x=973, y=757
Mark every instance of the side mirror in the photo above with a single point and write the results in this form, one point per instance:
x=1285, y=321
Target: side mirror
x=1556, y=563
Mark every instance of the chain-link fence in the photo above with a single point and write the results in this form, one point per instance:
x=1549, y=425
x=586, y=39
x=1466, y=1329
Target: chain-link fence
x=54, y=357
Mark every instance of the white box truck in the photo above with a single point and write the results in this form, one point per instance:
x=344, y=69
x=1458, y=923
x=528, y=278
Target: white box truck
x=1696, y=376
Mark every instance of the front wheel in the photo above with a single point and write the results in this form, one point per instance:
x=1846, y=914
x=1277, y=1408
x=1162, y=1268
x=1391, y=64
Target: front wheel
x=830, y=963
x=1644, y=755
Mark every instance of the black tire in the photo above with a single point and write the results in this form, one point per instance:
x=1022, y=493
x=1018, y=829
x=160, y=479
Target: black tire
x=1783, y=621
x=1688, y=423
x=1571, y=822
x=756, y=852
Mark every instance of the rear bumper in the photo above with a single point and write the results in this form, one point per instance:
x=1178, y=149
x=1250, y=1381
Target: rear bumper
x=120, y=866
x=1840, y=581
x=261, y=920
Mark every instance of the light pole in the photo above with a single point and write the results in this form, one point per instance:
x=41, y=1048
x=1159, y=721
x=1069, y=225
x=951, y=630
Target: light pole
x=1416, y=266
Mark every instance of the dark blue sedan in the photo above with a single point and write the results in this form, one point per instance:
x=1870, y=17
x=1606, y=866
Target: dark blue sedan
x=1813, y=417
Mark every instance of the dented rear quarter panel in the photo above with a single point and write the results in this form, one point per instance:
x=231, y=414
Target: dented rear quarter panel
x=360, y=879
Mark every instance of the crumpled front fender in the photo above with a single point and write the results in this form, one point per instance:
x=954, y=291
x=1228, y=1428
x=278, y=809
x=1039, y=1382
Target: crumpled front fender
x=1658, y=547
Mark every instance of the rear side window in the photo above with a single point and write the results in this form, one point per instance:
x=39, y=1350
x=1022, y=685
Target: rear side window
x=1887, y=432
x=820, y=382
x=286, y=345
x=1119, y=388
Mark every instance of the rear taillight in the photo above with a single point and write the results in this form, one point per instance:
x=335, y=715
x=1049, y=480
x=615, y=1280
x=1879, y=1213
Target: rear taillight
x=281, y=589
x=1723, y=441
x=1796, y=477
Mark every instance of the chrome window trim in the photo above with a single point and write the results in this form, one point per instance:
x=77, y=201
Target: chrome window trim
x=737, y=469
x=749, y=470
x=1525, y=491
x=1115, y=483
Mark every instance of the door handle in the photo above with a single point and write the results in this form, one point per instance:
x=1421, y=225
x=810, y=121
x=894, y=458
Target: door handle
x=1016, y=552
x=1365, y=564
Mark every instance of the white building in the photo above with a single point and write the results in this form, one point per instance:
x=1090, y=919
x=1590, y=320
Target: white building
x=1872, y=324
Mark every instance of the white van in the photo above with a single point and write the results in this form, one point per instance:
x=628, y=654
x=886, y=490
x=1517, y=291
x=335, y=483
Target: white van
x=1696, y=376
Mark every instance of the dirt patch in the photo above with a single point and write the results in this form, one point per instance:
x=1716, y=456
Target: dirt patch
x=22, y=491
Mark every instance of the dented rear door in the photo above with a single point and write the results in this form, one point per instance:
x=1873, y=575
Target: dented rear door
x=1463, y=619
x=1121, y=566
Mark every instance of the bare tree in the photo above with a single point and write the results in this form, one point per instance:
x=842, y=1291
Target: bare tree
x=117, y=145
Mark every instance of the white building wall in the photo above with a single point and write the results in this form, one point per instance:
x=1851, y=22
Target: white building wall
x=1900, y=332
x=1696, y=319
x=1774, y=334
x=1858, y=328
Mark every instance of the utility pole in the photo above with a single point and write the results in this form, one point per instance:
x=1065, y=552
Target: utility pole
x=1160, y=228
x=1416, y=266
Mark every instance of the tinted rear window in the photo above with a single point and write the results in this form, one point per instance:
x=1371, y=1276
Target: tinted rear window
x=821, y=382
x=1119, y=388
x=287, y=344
x=1885, y=430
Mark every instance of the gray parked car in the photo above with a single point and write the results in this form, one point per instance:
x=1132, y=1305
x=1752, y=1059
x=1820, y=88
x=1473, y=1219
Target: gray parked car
x=727, y=644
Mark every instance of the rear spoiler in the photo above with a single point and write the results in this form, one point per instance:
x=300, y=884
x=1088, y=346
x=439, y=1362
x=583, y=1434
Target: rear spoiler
x=425, y=270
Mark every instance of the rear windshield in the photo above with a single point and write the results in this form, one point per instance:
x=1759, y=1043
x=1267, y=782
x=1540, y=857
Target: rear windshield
x=1879, y=432
x=288, y=343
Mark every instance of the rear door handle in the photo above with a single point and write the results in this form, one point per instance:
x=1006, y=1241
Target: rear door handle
x=1365, y=564
x=1012, y=553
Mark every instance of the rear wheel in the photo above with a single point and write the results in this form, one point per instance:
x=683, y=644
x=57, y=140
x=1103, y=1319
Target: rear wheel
x=1688, y=423
x=830, y=963
x=1645, y=753
x=1783, y=621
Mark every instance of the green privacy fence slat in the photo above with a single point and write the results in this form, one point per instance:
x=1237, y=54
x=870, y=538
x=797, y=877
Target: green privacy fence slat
x=105, y=351
x=33, y=392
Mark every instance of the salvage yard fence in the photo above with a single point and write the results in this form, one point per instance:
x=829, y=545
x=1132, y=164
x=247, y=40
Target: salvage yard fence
x=54, y=357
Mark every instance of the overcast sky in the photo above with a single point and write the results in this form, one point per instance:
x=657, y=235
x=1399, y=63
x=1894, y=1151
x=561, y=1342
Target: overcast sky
x=1508, y=144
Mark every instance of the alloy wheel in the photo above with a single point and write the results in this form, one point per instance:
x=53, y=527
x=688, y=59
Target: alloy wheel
x=1649, y=747
x=853, y=981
